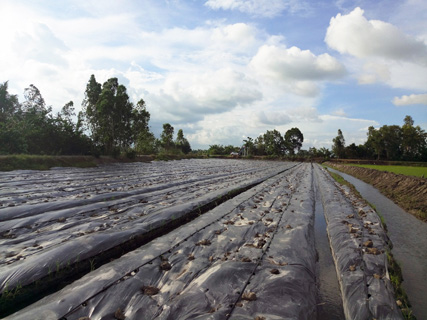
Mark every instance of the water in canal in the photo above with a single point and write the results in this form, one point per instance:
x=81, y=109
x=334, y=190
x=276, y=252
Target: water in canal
x=409, y=238
x=329, y=295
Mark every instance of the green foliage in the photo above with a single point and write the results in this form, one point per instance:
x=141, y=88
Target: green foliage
x=397, y=143
x=274, y=143
x=166, y=138
x=31, y=128
x=182, y=143
x=220, y=150
x=294, y=139
x=338, y=147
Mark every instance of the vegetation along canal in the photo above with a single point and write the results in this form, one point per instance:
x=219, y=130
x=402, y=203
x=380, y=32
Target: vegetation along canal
x=408, y=235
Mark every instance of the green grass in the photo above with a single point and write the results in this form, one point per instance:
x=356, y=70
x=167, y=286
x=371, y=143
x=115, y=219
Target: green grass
x=405, y=170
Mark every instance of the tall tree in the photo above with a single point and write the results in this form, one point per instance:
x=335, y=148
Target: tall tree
x=414, y=143
x=338, y=147
x=9, y=104
x=293, y=139
x=140, y=119
x=249, y=146
x=374, y=144
x=392, y=141
x=166, y=138
x=144, y=139
x=37, y=123
x=109, y=113
x=90, y=112
x=182, y=143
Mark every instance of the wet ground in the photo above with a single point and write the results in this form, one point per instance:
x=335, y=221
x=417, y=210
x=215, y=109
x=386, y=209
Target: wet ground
x=409, y=238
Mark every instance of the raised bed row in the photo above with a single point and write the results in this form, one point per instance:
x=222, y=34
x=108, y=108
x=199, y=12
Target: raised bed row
x=42, y=243
x=359, y=247
x=251, y=256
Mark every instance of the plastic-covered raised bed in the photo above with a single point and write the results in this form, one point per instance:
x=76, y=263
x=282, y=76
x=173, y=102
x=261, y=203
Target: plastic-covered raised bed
x=250, y=257
x=58, y=223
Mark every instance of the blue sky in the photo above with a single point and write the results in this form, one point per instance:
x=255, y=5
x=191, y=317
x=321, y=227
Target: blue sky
x=223, y=70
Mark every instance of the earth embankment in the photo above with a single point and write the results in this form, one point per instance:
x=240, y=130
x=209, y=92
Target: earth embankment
x=408, y=192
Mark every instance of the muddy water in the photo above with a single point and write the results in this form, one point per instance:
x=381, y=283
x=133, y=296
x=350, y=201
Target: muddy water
x=329, y=295
x=409, y=237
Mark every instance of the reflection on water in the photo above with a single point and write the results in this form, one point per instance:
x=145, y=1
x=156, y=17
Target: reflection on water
x=409, y=238
x=329, y=295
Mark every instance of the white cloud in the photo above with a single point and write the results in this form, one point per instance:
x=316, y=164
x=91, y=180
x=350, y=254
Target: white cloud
x=264, y=8
x=410, y=100
x=273, y=117
x=340, y=112
x=374, y=72
x=296, y=70
x=192, y=96
x=355, y=35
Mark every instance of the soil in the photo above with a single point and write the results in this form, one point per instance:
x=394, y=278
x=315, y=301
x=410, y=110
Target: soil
x=408, y=192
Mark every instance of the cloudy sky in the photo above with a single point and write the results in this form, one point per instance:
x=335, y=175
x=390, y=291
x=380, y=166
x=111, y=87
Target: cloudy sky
x=223, y=70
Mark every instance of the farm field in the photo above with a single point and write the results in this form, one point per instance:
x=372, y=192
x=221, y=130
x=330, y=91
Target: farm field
x=405, y=170
x=191, y=239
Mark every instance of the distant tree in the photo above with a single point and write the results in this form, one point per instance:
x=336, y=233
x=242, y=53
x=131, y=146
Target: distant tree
x=90, y=112
x=325, y=153
x=146, y=143
x=182, y=143
x=374, y=144
x=229, y=149
x=274, y=143
x=38, y=125
x=216, y=149
x=259, y=146
x=392, y=141
x=293, y=140
x=249, y=146
x=338, y=147
x=12, y=133
x=109, y=114
x=9, y=104
x=414, y=141
x=34, y=102
x=166, y=138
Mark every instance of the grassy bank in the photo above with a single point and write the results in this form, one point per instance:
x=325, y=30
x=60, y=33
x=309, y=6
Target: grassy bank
x=408, y=192
x=405, y=170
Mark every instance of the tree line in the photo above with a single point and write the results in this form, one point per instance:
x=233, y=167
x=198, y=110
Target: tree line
x=108, y=124
x=389, y=142
x=271, y=143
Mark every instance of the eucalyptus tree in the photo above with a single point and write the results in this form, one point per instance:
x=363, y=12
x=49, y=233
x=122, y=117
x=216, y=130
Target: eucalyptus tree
x=109, y=113
x=338, y=147
x=166, y=138
x=182, y=143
